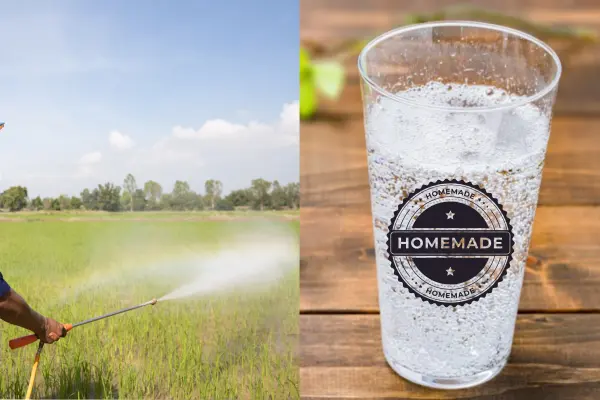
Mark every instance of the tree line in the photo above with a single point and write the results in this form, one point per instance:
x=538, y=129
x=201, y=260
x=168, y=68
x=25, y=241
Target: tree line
x=261, y=195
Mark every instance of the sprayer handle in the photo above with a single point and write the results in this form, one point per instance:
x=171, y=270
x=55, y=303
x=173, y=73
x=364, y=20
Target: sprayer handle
x=22, y=341
x=25, y=340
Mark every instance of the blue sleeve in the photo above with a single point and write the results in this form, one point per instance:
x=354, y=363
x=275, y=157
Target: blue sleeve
x=4, y=288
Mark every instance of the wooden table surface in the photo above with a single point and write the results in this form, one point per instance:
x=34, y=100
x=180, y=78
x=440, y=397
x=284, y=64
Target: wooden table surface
x=556, y=351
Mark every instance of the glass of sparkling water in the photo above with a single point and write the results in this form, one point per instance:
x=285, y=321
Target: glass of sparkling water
x=457, y=120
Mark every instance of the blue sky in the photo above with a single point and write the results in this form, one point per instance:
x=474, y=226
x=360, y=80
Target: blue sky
x=192, y=90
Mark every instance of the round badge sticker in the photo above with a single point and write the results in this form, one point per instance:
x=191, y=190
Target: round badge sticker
x=450, y=243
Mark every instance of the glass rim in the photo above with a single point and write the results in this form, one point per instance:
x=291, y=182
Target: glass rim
x=470, y=24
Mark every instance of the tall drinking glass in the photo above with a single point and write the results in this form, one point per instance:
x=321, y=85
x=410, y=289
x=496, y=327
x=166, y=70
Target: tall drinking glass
x=457, y=120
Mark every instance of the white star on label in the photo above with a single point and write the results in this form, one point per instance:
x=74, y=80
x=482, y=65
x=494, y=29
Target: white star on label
x=450, y=215
x=450, y=271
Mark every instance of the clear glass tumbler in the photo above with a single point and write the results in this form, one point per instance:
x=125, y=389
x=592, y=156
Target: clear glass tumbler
x=457, y=120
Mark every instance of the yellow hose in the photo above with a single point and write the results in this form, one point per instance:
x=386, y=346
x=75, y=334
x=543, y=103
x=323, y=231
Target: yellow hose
x=36, y=361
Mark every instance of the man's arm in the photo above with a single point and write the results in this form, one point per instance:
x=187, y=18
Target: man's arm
x=15, y=310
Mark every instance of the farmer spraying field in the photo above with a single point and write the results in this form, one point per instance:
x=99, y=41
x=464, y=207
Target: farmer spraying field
x=252, y=262
x=15, y=310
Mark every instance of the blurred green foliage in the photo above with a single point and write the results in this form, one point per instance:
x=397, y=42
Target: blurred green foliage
x=322, y=70
x=318, y=77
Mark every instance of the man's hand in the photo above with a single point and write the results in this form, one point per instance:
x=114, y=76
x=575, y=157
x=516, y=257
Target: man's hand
x=51, y=331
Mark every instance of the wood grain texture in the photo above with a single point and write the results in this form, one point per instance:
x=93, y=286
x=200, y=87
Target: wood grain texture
x=330, y=22
x=333, y=163
x=334, y=20
x=553, y=357
x=556, y=351
x=338, y=272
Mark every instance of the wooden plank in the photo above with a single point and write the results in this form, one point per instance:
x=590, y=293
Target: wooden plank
x=333, y=163
x=331, y=22
x=335, y=19
x=337, y=271
x=553, y=357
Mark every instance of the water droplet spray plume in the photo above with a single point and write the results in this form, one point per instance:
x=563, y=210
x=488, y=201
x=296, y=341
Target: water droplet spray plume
x=248, y=261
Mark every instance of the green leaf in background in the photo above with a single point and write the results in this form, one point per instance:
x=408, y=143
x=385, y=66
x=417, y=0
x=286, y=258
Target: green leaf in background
x=308, y=93
x=304, y=61
x=329, y=77
x=308, y=99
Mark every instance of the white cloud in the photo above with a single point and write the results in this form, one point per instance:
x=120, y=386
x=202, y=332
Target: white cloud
x=216, y=128
x=290, y=118
x=281, y=133
x=120, y=141
x=232, y=152
x=91, y=158
x=219, y=149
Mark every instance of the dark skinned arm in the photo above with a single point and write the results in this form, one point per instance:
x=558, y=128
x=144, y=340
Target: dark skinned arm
x=15, y=310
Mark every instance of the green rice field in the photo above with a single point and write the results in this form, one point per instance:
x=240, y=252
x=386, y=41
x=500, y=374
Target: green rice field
x=239, y=344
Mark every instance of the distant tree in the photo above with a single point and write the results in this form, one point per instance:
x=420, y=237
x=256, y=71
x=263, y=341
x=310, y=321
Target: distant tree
x=76, y=203
x=65, y=202
x=14, y=198
x=278, y=197
x=55, y=205
x=261, y=195
x=85, y=198
x=292, y=191
x=224, y=205
x=109, y=197
x=181, y=195
x=139, y=200
x=209, y=192
x=90, y=199
x=37, y=204
x=189, y=201
x=260, y=191
x=213, y=190
x=166, y=201
x=96, y=199
x=197, y=202
x=153, y=192
x=240, y=198
x=125, y=201
x=218, y=190
x=130, y=186
x=181, y=188
x=47, y=202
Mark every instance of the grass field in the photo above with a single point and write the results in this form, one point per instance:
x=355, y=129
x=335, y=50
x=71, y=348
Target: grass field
x=146, y=215
x=235, y=345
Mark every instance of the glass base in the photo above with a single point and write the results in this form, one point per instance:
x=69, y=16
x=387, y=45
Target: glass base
x=461, y=382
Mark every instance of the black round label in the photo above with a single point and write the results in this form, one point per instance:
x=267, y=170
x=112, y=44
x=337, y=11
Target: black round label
x=450, y=243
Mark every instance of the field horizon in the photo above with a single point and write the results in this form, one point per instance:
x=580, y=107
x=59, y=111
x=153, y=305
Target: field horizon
x=166, y=215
